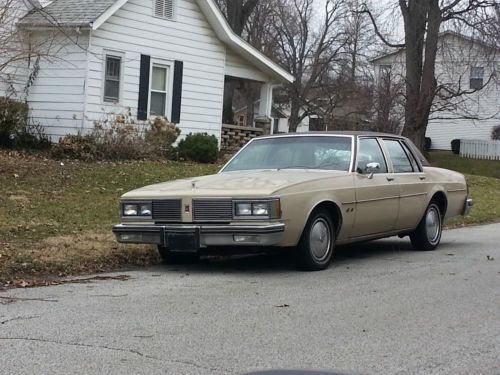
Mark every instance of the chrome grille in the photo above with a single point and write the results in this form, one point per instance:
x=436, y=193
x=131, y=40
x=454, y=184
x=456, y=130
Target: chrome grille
x=212, y=210
x=167, y=210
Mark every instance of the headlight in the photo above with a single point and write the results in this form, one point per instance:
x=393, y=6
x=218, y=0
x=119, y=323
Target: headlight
x=260, y=209
x=243, y=209
x=269, y=209
x=137, y=209
x=130, y=210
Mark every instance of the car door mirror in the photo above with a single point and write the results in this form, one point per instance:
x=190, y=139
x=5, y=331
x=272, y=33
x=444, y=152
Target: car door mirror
x=371, y=168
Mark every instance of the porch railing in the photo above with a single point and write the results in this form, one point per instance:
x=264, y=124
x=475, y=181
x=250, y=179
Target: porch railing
x=479, y=149
x=235, y=137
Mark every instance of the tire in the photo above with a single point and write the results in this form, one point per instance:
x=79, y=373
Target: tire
x=169, y=257
x=315, y=249
x=428, y=233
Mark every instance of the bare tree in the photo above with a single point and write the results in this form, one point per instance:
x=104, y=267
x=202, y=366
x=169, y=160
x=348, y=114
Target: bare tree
x=423, y=20
x=308, y=48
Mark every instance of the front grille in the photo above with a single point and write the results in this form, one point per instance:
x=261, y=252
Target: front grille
x=212, y=210
x=167, y=210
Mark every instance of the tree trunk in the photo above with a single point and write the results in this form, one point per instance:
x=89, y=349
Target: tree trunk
x=293, y=121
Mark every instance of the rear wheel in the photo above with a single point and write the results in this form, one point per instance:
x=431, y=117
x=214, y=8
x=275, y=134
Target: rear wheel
x=315, y=249
x=428, y=233
x=169, y=257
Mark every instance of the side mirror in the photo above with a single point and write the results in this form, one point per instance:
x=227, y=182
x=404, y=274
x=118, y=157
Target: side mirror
x=371, y=168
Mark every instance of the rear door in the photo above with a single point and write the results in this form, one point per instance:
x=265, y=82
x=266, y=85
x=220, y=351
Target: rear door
x=411, y=181
x=377, y=193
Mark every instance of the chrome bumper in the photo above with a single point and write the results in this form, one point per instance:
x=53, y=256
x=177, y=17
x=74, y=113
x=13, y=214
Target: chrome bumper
x=190, y=237
x=467, y=206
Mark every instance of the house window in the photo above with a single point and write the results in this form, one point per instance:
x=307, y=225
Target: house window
x=159, y=84
x=164, y=8
x=112, y=78
x=476, y=77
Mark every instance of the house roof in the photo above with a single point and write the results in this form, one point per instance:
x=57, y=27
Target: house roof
x=93, y=13
x=67, y=13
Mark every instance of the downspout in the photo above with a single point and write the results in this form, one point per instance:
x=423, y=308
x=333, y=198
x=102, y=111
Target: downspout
x=86, y=82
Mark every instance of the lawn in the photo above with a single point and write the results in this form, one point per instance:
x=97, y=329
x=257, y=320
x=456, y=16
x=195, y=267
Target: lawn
x=448, y=160
x=56, y=217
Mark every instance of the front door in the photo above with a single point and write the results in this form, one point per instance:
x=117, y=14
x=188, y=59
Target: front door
x=377, y=192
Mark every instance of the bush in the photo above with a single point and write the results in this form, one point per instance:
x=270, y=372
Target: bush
x=118, y=138
x=13, y=119
x=162, y=135
x=15, y=129
x=455, y=146
x=199, y=147
x=428, y=143
x=495, y=133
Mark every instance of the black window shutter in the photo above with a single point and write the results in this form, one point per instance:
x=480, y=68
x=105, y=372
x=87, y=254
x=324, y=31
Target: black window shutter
x=142, y=107
x=177, y=92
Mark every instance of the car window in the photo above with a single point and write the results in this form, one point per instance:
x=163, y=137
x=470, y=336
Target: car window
x=301, y=152
x=400, y=161
x=413, y=161
x=369, y=152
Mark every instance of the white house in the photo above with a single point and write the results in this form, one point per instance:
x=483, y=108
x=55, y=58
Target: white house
x=143, y=57
x=462, y=64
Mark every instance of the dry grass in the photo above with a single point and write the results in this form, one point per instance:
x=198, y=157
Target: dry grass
x=56, y=217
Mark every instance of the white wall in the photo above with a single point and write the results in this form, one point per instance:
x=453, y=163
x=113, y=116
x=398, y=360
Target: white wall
x=133, y=31
x=470, y=116
x=57, y=97
x=13, y=72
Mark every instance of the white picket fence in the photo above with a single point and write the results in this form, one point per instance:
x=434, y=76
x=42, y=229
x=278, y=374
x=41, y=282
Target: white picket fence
x=477, y=149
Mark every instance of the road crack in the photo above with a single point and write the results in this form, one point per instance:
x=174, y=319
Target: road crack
x=19, y=318
x=123, y=350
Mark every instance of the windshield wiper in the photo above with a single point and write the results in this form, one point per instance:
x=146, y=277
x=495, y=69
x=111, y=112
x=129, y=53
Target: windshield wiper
x=295, y=167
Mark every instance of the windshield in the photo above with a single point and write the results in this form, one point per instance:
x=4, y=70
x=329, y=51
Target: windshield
x=311, y=152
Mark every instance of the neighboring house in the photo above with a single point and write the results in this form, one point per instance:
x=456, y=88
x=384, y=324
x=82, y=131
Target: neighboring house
x=462, y=64
x=145, y=58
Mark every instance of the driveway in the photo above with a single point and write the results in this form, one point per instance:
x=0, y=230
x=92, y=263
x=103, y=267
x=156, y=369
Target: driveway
x=380, y=309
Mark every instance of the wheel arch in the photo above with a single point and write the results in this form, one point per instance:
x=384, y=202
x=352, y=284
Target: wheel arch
x=441, y=200
x=333, y=208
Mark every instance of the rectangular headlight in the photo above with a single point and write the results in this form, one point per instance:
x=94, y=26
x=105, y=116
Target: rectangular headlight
x=136, y=209
x=130, y=209
x=269, y=209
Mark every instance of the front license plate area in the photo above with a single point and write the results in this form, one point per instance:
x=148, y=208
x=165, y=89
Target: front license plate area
x=187, y=242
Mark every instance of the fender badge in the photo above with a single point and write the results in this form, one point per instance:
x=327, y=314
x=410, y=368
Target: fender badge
x=193, y=184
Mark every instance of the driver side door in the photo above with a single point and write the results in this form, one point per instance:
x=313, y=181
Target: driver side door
x=377, y=192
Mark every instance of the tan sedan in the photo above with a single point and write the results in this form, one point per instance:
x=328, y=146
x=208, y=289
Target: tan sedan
x=304, y=192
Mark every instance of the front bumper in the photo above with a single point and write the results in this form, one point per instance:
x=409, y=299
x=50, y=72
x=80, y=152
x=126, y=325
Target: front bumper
x=467, y=206
x=200, y=236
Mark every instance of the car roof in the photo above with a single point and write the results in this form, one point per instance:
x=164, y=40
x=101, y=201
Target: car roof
x=353, y=133
x=349, y=133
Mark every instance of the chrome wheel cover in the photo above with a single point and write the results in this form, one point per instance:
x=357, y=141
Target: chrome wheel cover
x=320, y=239
x=433, y=224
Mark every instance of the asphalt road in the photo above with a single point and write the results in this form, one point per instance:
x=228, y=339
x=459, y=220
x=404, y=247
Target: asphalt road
x=380, y=309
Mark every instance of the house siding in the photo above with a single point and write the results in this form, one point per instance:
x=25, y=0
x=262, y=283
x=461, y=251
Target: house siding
x=467, y=117
x=133, y=31
x=57, y=96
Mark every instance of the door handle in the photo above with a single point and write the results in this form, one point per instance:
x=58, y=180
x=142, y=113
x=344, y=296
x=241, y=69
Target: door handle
x=390, y=178
x=421, y=177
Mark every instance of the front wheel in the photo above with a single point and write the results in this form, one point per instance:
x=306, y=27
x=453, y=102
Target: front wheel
x=428, y=233
x=169, y=257
x=315, y=249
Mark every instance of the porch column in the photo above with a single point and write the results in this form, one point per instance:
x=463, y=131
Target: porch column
x=263, y=118
x=266, y=100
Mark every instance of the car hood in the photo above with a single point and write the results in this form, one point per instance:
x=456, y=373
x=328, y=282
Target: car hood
x=248, y=183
